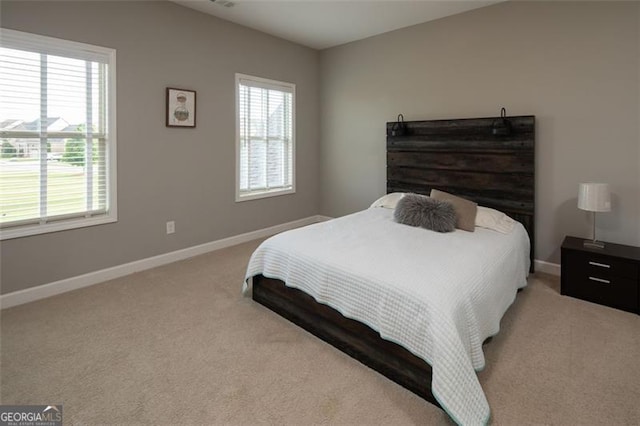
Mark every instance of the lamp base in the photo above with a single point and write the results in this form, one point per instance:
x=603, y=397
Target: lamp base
x=593, y=244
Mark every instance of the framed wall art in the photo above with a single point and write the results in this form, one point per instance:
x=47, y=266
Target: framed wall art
x=181, y=107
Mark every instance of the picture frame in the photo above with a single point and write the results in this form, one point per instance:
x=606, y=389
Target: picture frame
x=181, y=108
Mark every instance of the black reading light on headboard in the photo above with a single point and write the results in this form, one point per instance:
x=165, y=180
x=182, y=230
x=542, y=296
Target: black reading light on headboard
x=398, y=128
x=502, y=126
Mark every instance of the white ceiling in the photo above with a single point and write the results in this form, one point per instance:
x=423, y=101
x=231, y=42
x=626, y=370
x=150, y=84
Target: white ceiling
x=323, y=24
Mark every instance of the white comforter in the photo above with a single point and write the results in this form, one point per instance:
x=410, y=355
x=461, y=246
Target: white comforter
x=438, y=295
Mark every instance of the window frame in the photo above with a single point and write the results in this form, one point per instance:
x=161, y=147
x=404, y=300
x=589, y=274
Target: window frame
x=84, y=51
x=271, y=84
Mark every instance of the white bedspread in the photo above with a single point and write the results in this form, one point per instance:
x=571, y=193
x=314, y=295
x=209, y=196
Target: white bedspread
x=438, y=295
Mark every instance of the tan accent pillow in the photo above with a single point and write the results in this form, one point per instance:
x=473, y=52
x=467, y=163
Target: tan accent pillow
x=465, y=209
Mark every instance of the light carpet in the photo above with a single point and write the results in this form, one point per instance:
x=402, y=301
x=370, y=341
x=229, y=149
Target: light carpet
x=179, y=345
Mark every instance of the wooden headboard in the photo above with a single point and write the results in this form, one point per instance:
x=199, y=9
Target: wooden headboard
x=465, y=158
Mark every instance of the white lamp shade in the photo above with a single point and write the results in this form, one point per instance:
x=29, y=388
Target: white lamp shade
x=594, y=197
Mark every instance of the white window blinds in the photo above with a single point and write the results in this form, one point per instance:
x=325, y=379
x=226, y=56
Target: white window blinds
x=265, y=137
x=57, y=155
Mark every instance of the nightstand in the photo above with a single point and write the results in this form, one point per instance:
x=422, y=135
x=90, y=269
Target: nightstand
x=609, y=276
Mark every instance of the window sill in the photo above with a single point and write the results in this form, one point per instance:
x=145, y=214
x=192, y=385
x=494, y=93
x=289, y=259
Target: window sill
x=63, y=225
x=266, y=194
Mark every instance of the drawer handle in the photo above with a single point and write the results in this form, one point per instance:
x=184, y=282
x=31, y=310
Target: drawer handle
x=602, y=265
x=600, y=280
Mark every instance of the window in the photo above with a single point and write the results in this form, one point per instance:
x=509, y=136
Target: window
x=57, y=127
x=265, y=138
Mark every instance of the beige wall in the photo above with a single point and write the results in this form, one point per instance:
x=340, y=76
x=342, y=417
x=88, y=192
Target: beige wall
x=186, y=175
x=574, y=65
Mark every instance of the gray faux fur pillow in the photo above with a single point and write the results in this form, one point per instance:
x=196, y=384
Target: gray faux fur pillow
x=429, y=213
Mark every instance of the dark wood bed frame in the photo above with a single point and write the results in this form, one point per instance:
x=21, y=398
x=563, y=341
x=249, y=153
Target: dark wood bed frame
x=461, y=157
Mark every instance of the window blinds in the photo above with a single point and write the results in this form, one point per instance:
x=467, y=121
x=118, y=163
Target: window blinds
x=54, y=124
x=266, y=137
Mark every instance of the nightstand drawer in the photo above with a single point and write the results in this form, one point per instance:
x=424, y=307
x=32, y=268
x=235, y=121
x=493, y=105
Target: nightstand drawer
x=609, y=276
x=597, y=264
x=613, y=291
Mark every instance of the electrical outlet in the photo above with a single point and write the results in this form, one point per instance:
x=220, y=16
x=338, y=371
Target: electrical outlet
x=171, y=227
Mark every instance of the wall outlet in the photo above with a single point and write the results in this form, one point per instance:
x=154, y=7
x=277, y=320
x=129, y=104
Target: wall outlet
x=171, y=227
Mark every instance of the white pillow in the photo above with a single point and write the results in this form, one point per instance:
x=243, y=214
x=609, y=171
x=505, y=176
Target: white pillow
x=494, y=219
x=388, y=201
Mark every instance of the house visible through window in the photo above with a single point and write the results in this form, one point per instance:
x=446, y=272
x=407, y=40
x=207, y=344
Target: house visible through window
x=265, y=145
x=57, y=129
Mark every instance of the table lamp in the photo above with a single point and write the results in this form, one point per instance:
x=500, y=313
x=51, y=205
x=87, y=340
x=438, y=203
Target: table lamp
x=594, y=197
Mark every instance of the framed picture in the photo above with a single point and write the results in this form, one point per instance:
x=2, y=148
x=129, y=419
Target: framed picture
x=181, y=107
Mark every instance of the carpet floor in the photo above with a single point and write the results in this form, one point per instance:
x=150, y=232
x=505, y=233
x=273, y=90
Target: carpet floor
x=179, y=345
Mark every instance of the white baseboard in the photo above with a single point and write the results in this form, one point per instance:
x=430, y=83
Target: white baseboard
x=62, y=286
x=546, y=267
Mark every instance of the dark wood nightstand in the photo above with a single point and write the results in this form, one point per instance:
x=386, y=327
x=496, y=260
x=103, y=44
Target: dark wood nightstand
x=609, y=276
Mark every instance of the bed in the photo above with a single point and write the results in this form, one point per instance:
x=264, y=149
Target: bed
x=355, y=282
